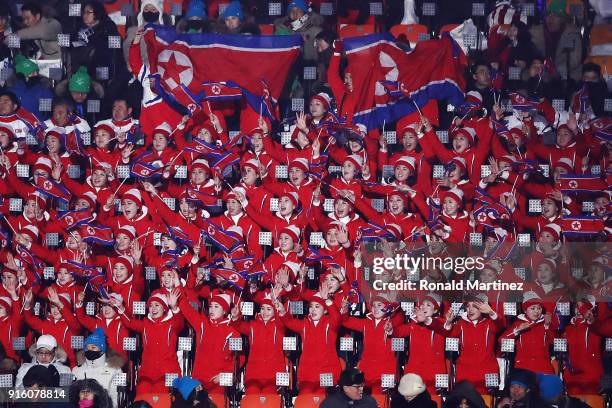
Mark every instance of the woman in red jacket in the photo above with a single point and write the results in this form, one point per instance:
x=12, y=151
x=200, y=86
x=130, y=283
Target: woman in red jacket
x=11, y=321
x=107, y=319
x=159, y=332
x=266, y=357
x=583, y=372
x=476, y=330
x=533, y=336
x=426, y=347
x=319, y=332
x=213, y=332
x=378, y=358
x=60, y=322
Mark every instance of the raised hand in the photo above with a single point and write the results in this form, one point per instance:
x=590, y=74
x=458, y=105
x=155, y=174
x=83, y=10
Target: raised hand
x=262, y=124
x=27, y=299
x=54, y=297
x=301, y=121
x=136, y=250
x=56, y=173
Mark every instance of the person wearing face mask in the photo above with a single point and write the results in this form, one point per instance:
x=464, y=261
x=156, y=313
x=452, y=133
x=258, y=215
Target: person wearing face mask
x=299, y=20
x=88, y=393
x=100, y=363
x=45, y=352
x=188, y=392
x=195, y=18
x=595, y=87
x=151, y=12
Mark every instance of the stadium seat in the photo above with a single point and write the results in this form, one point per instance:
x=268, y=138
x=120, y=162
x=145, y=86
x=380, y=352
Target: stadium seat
x=156, y=400
x=261, y=401
x=266, y=29
x=381, y=400
x=488, y=399
x=600, y=38
x=217, y=399
x=308, y=400
x=437, y=399
x=411, y=31
x=354, y=30
x=593, y=400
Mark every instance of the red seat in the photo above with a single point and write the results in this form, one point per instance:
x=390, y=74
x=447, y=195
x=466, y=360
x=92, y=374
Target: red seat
x=266, y=29
x=411, y=31
x=592, y=400
x=308, y=400
x=261, y=401
x=218, y=400
x=488, y=399
x=381, y=400
x=354, y=30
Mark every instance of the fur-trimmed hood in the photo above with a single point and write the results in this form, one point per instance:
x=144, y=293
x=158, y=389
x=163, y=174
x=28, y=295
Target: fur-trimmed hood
x=112, y=358
x=60, y=354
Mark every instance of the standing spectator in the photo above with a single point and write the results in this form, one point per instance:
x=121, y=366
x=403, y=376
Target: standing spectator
x=42, y=31
x=350, y=392
x=151, y=12
x=559, y=39
x=30, y=87
x=412, y=393
x=195, y=18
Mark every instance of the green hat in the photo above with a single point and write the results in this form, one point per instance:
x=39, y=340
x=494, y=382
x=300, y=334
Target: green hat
x=557, y=7
x=80, y=81
x=25, y=66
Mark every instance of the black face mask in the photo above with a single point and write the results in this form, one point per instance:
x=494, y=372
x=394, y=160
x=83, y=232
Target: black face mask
x=92, y=355
x=195, y=25
x=150, y=16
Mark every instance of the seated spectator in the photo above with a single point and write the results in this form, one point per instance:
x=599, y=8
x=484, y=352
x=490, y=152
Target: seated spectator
x=350, y=392
x=412, y=393
x=100, y=363
x=89, y=393
x=559, y=39
x=300, y=21
x=79, y=89
x=45, y=352
x=464, y=395
x=552, y=391
x=523, y=391
x=187, y=392
x=30, y=87
x=42, y=31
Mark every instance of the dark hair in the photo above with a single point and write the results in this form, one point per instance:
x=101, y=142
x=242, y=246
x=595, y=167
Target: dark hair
x=479, y=63
x=98, y=9
x=327, y=36
x=101, y=397
x=591, y=67
x=123, y=98
x=33, y=7
x=59, y=101
x=140, y=404
x=11, y=95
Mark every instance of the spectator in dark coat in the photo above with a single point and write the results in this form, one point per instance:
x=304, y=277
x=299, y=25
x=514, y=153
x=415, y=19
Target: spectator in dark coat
x=350, y=392
x=523, y=391
x=464, y=395
x=551, y=390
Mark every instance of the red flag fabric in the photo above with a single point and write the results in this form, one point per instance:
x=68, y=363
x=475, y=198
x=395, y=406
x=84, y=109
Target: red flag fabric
x=432, y=71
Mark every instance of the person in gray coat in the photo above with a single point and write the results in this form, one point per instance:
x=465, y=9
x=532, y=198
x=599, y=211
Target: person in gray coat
x=42, y=31
x=300, y=21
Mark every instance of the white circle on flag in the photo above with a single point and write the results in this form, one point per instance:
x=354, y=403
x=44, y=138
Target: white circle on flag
x=180, y=70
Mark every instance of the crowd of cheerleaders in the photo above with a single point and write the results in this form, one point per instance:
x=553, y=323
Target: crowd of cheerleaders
x=213, y=253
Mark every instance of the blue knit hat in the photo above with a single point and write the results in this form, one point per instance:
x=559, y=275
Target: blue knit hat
x=551, y=386
x=97, y=338
x=196, y=8
x=185, y=385
x=234, y=9
x=301, y=4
